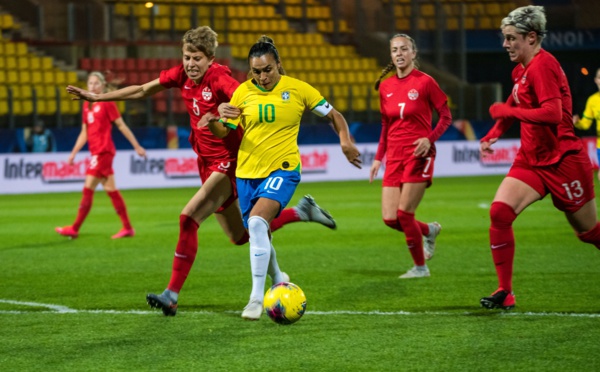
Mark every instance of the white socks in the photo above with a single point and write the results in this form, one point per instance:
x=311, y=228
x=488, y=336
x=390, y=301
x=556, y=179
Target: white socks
x=260, y=255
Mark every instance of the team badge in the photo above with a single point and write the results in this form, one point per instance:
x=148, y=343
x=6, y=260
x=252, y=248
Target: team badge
x=523, y=79
x=285, y=96
x=413, y=94
x=206, y=94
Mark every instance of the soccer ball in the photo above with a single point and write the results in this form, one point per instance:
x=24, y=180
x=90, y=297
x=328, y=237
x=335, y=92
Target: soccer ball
x=285, y=303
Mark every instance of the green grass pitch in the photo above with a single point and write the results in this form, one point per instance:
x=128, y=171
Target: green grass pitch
x=79, y=305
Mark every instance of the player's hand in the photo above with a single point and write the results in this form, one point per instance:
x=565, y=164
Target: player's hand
x=374, y=170
x=500, y=111
x=71, y=159
x=228, y=111
x=81, y=94
x=206, y=119
x=576, y=118
x=485, y=147
x=141, y=151
x=352, y=154
x=422, y=146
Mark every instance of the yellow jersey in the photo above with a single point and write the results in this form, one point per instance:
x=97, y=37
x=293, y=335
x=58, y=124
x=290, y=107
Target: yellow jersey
x=271, y=122
x=591, y=113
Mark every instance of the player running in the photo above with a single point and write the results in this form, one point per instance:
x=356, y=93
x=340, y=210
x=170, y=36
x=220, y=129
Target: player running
x=551, y=159
x=204, y=84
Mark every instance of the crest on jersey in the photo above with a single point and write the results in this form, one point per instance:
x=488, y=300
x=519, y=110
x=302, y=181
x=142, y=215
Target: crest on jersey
x=523, y=79
x=413, y=94
x=285, y=96
x=206, y=94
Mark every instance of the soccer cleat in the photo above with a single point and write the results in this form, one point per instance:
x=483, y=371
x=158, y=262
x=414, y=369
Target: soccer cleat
x=168, y=307
x=68, y=231
x=500, y=299
x=285, y=278
x=429, y=239
x=308, y=210
x=415, y=272
x=124, y=233
x=253, y=310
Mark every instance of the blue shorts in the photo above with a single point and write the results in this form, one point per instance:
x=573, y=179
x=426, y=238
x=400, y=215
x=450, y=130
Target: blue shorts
x=279, y=186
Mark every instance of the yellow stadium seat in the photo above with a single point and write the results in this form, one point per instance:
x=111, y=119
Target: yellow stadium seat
x=182, y=11
x=183, y=23
x=60, y=77
x=21, y=49
x=26, y=107
x=10, y=49
x=24, y=77
x=48, y=77
x=3, y=107
x=46, y=63
x=35, y=63
x=3, y=93
x=6, y=21
x=12, y=77
x=121, y=9
x=144, y=23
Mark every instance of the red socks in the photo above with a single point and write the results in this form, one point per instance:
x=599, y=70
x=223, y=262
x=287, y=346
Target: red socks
x=414, y=238
x=592, y=236
x=286, y=216
x=119, y=204
x=395, y=224
x=185, y=254
x=84, y=207
x=502, y=242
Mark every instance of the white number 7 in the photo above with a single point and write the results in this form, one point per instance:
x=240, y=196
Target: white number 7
x=402, y=104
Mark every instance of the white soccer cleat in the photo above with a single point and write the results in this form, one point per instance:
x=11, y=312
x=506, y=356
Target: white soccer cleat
x=429, y=239
x=415, y=272
x=253, y=310
x=284, y=278
x=309, y=210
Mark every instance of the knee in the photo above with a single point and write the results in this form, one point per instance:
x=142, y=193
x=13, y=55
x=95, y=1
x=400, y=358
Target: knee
x=502, y=215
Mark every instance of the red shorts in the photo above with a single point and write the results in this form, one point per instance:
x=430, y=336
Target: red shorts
x=408, y=169
x=101, y=165
x=207, y=167
x=570, y=181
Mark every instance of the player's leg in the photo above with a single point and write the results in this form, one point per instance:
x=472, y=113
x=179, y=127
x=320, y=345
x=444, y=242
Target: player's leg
x=512, y=196
x=573, y=192
x=411, y=195
x=85, y=205
x=213, y=193
x=119, y=204
x=585, y=223
x=260, y=204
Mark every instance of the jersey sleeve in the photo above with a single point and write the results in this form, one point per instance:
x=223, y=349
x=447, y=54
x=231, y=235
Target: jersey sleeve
x=172, y=78
x=382, y=146
x=315, y=101
x=112, y=111
x=439, y=101
x=236, y=100
x=546, y=82
x=225, y=85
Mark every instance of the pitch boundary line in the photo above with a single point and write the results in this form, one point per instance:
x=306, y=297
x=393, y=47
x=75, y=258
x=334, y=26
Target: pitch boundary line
x=60, y=309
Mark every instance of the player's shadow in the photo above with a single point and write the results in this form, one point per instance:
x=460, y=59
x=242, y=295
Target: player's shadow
x=36, y=245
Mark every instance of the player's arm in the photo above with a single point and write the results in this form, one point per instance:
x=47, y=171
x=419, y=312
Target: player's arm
x=585, y=122
x=79, y=143
x=341, y=128
x=127, y=133
x=128, y=93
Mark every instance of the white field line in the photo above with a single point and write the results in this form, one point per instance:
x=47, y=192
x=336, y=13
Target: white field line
x=59, y=309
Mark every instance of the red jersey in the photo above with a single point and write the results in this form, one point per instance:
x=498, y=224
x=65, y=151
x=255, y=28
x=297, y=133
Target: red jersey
x=217, y=86
x=99, y=119
x=406, y=112
x=541, y=80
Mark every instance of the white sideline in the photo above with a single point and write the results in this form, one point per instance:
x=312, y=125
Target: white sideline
x=54, y=309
